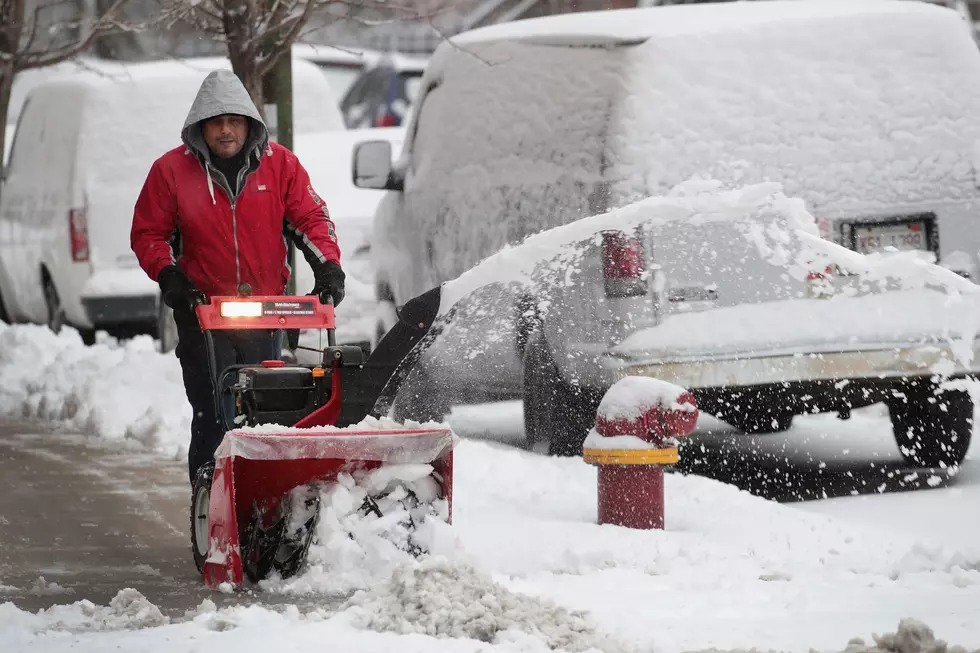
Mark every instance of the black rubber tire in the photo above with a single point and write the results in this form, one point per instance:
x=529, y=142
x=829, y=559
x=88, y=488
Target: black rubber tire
x=202, y=484
x=56, y=312
x=931, y=429
x=554, y=410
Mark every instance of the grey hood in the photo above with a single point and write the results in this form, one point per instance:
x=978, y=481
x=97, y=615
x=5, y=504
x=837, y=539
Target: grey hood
x=222, y=92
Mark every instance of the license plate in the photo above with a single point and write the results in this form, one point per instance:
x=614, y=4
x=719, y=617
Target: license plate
x=903, y=236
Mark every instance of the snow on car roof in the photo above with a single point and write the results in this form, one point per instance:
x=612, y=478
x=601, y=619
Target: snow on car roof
x=632, y=25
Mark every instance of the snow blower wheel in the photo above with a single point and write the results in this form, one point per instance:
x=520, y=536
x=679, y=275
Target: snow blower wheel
x=200, y=510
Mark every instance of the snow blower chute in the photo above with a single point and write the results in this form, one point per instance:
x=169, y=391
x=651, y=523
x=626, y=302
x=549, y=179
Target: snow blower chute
x=287, y=428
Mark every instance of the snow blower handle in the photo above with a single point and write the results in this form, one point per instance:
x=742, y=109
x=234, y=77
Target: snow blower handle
x=266, y=312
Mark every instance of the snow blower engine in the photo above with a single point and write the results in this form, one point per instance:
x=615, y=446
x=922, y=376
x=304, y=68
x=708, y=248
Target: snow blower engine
x=289, y=434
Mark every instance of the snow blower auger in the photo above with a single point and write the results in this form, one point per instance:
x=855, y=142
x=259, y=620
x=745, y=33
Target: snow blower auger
x=255, y=509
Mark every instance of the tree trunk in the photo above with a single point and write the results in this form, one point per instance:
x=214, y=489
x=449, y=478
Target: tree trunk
x=6, y=85
x=242, y=51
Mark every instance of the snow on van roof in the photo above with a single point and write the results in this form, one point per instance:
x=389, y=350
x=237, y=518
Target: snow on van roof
x=315, y=106
x=632, y=25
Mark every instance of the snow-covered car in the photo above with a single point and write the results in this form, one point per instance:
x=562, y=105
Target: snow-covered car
x=66, y=204
x=533, y=124
x=384, y=92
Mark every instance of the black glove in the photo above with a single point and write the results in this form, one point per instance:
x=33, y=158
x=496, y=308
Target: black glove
x=179, y=292
x=329, y=282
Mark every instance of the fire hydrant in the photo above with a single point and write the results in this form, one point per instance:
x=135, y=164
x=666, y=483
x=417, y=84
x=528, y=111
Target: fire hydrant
x=638, y=424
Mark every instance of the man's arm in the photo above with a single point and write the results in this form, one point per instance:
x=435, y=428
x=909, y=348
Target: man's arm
x=154, y=222
x=308, y=220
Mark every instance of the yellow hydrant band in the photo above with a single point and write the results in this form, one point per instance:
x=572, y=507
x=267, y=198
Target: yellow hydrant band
x=630, y=456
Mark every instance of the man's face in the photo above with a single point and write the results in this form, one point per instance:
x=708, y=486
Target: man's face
x=226, y=134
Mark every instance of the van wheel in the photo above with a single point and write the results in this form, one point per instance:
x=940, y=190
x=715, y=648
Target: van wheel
x=166, y=329
x=554, y=410
x=931, y=429
x=56, y=312
x=4, y=316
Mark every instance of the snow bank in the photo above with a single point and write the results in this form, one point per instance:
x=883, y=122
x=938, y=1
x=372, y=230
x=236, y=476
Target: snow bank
x=128, y=610
x=126, y=392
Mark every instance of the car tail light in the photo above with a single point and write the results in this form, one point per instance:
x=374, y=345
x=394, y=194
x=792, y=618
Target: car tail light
x=79, y=235
x=388, y=120
x=623, y=265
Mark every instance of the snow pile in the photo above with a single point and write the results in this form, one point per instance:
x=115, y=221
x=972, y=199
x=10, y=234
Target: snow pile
x=441, y=599
x=912, y=636
x=42, y=587
x=371, y=523
x=128, y=610
x=118, y=392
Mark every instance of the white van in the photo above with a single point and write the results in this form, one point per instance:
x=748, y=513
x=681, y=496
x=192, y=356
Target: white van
x=869, y=111
x=83, y=146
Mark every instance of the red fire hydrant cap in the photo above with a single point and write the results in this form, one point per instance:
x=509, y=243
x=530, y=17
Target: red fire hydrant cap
x=647, y=408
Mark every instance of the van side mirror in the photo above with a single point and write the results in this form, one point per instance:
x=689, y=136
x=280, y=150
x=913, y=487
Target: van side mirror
x=372, y=166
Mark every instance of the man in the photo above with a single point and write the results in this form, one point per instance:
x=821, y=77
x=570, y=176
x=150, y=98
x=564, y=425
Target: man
x=223, y=194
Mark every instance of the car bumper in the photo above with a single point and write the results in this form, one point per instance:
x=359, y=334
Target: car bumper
x=102, y=311
x=870, y=364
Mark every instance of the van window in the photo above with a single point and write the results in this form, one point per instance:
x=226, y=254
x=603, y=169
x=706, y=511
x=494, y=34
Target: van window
x=514, y=138
x=30, y=128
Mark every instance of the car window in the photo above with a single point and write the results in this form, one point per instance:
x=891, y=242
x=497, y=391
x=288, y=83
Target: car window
x=411, y=84
x=340, y=78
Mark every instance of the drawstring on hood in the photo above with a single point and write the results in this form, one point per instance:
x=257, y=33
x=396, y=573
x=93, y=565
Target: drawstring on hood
x=221, y=93
x=210, y=184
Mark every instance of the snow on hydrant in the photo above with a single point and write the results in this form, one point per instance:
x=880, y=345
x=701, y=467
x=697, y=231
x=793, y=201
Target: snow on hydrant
x=638, y=424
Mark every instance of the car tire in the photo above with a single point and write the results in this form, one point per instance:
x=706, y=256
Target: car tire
x=166, y=329
x=554, y=410
x=931, y=429
x=200, y=510
x=56, y=312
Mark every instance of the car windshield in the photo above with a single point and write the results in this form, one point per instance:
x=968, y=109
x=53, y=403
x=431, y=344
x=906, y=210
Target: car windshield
x=340, y=77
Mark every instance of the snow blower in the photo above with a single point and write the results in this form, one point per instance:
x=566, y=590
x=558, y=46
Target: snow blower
x=287, y=430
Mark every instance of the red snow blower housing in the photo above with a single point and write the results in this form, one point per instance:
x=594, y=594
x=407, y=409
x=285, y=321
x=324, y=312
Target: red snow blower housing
x=283, y=433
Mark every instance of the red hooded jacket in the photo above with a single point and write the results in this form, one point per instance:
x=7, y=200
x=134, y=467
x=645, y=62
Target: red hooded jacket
x=227, y=241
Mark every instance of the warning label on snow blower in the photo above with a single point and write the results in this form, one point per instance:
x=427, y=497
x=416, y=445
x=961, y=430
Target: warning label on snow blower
x=288, y=308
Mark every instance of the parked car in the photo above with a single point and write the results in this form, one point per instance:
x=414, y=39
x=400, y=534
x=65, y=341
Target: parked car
x=66, y=204
x=384, y=93
x=340, y=66
x=533, y=124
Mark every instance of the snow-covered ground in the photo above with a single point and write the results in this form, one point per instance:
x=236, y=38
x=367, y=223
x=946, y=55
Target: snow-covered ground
x=524, y=566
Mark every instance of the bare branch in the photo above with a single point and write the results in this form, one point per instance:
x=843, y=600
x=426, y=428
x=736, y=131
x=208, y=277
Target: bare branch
x=25, y=59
